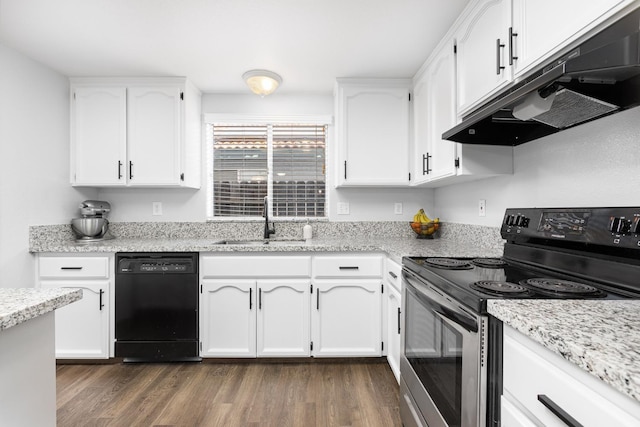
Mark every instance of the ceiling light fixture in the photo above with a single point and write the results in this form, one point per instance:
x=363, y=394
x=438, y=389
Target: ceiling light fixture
x=262, y=82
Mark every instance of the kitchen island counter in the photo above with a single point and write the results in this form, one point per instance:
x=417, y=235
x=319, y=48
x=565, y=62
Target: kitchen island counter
x=27, y=354
x=600, y=337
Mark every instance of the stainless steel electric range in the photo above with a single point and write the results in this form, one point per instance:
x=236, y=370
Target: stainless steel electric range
x=451, y=368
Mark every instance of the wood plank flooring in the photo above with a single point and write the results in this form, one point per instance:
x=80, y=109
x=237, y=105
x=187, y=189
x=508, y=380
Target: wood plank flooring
x=228, y=394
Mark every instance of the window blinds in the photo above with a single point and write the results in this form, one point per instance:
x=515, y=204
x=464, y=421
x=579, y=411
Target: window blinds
x=246, y=157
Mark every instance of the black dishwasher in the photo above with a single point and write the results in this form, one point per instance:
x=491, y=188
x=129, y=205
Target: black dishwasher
x=156, y=307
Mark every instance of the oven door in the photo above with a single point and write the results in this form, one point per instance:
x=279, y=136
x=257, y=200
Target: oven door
x=441, y=364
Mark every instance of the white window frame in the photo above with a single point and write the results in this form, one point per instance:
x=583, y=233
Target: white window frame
x=213, y=118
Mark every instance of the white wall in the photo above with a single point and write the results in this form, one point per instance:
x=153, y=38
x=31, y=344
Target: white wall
x=595, y=164
x=190, y=205
x=34, y=151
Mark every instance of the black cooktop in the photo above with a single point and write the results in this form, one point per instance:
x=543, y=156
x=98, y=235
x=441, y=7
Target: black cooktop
x=473, y=281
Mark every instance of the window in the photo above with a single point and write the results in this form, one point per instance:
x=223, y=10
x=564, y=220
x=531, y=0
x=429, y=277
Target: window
x=285, y=162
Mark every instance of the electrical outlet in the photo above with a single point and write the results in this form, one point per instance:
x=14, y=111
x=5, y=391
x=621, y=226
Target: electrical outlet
x=397, y=209
x=343, y=208
x=482, y=207
x=157, y=208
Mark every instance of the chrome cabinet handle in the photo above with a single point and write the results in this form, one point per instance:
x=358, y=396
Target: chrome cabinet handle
x=558, y=411
x=512, y=35
x=425, y=159
x=499, y=66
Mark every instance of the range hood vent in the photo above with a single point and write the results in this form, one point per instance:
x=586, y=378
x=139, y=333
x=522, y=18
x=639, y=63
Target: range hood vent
x=595, y=79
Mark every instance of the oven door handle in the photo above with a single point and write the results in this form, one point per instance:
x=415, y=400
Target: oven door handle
x=458, y=323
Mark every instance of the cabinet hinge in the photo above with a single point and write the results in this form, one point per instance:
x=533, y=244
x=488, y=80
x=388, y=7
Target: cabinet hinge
x=182, y=96
x=311, y=346
x=182, y=177
x=456, y=163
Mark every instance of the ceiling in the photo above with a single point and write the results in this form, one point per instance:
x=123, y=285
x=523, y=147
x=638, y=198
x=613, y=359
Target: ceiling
x=213, y=42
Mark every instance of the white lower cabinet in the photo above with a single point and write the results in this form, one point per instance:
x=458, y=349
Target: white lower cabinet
x=249, y=318
x=535, y=379
x=255, y=305
x=346, y=311
x=82, y=329
x=391, y=313
x=228, y=318
x=283, y=318
x=346, y=318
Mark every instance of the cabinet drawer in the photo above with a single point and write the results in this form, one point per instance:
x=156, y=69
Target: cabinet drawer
x=255, y=266
x=73, y=267
x=347, y=266
x=393, y=274
x=530, y=370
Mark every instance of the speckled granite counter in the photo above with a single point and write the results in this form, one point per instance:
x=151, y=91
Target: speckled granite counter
x=601, y=337
x=395, y=247
x=17, y=305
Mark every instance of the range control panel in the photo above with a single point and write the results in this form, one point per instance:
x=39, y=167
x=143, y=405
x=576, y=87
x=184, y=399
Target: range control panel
x=603, y=226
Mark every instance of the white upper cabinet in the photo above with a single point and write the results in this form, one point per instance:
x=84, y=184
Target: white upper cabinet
x=438, y=161
x=500, y=40
x=537, y=33
x=482, y=49
x=98, y=135
x=372, y=128
x=434, y=112
x=135, y=132
x=154, y=126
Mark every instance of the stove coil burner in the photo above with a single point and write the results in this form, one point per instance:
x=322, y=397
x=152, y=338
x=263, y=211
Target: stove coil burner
x=449, y=263
x=562, y=287
x=499, y=287
x=489, y=262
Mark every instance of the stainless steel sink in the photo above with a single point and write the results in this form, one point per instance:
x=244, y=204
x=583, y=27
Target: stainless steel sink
x=258, y=242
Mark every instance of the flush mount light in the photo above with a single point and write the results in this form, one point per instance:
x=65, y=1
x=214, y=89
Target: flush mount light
x=262, y=82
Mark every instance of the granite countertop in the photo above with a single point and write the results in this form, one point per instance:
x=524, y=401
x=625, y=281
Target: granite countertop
x=395, y=247
x=17, y=305
x=601, y=337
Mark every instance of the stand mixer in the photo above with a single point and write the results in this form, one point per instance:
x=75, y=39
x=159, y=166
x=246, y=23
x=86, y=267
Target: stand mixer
x=93, y=226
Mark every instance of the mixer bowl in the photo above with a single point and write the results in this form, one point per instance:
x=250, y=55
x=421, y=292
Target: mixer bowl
x=89, y=227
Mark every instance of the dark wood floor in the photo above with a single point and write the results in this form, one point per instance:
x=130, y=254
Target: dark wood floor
x=228, y=394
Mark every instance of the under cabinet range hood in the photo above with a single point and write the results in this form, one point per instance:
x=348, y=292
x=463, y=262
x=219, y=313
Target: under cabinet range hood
x=599, y=77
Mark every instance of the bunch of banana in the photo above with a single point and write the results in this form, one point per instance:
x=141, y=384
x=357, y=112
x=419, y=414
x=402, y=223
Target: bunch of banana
x=423, y=225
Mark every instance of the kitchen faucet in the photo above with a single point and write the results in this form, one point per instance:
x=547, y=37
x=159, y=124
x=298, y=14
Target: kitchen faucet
x=267, y=231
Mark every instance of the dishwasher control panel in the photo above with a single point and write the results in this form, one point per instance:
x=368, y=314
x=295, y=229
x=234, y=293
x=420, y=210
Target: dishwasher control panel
x=156, y=265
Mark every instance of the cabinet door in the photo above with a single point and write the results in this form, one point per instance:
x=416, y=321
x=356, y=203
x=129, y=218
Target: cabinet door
x=228, y=318
x=421, y=134
x=482, y=46
x=283, y=318
x=154, y=135
x=346, y=318
x=98, y=136
x=393, y=330
x=541, y=33
x=441, y=113
x=82, y=328
x=373, y=132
